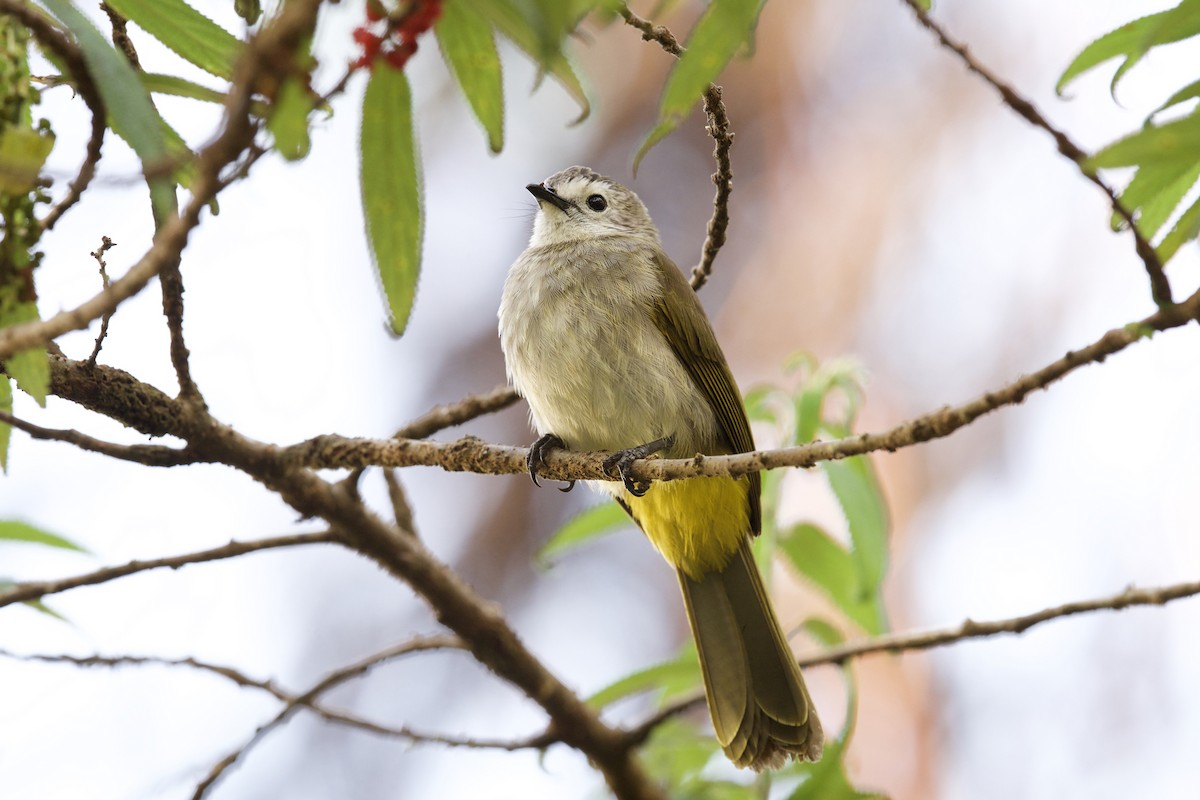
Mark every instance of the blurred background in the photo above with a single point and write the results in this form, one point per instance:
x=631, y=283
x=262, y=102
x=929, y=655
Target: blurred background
x=886, y=207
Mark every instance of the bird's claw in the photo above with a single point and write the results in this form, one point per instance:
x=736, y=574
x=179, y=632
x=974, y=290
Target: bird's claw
x=537, y=456
x=622, y=461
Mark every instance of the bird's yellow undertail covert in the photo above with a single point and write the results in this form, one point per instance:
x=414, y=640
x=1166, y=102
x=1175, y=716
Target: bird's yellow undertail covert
x=608, y=343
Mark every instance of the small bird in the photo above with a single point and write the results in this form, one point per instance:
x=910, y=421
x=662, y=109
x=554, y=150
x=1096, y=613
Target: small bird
x=605, y=339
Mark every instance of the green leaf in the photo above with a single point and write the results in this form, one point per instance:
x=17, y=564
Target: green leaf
x=524, y=26
x=584, y=526
x=467, y=44
x=1155, y=191
x=1189, y=92
x=29, y=368
x=680, y=675
x=6, y=404
x=825, y=562
x=1176, y=142
x=853, y=483
x=676, y=754
x=1184, y=231
x=288, y=120
x=827, y=779
x=20, y=532
x=823, y=632
x=724, y=27
x=1133, y=40
x=131, y=114
x=175, y=86
x=391, y=190
x=193, y=36
x=23, y=151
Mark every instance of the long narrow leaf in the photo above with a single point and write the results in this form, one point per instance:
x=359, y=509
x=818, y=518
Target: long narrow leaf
x=585, y=526
x=391, y=189
x=6, y=404
x=467, y=43
x=722, y=30
x=22, y=532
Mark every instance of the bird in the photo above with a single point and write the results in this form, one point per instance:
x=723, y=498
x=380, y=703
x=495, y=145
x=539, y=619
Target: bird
x=611, y=349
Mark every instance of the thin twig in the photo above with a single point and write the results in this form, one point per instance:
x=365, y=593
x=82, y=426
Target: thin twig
x=1160, y=287
x=325, y=684
x=106, y=244
x=33, y=590
x=148, y=454
x=120, y=36
x=238, y=677
x=718, y=128
x=967, y=629
x=470, y=407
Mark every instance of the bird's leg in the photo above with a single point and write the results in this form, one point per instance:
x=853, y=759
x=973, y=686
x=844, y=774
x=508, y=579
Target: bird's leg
x=537, y=457
x=622, y=460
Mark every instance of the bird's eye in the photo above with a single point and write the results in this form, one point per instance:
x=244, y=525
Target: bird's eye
x=597, y=203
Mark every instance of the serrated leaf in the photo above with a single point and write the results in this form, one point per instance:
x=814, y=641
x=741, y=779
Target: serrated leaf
x=131, y=114
x=6, y=404
x=1133, y=40
x=1189, y=92
x=191, y=35
x=29, y=368
x=676, y=753
x=288, y=119
x=521, y=25
x=583, y=527
x=391, y=190
x=1176, y=142
x=1186, y=229
x=680, y=674
x=23, y=151
x=21, y=532
x=827, y=779
x=853, y=483
x=467, y=44
x=725, y=26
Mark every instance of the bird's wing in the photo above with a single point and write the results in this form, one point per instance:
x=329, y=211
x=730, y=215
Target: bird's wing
x=697, y=349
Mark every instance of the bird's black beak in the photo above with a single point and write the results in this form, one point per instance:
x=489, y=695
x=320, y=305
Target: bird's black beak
x=545, y=193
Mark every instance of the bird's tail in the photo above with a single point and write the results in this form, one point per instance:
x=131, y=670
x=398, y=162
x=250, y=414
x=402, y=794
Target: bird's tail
x=760, y=708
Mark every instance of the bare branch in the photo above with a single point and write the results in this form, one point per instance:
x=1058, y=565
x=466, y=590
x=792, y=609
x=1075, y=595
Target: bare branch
x=471, y=454
x=465, y=410
x=33, y=590
x=1160, y=287
x=325, y=684
x=106, y=244
x=243, y=680
x=148, y=454
x=969, y=629
x=940, y=637
x=718, y=128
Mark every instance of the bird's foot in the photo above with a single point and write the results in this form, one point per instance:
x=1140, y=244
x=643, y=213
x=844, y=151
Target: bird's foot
x=537, y=457
x=622, y=460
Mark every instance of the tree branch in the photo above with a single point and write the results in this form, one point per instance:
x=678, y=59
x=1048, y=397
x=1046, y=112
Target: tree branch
x=718, y=128
x=241, y=679
x=32, y=590
x=940, y=637
x=150, y=455
x=1160, y=287
x=325, y=684
x=470, y=454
